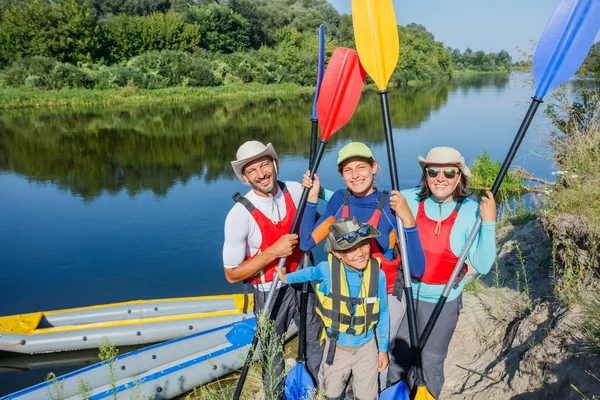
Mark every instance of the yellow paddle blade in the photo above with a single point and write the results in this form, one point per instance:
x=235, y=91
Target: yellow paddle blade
x=421, y=393
x=376, y=37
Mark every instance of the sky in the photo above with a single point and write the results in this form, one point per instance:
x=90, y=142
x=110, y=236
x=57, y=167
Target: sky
x=488, y=25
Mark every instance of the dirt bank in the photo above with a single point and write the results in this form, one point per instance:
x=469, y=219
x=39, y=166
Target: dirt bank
x=514, y=340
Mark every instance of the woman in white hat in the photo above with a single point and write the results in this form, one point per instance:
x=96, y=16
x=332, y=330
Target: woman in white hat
x=445, y=216
x=363, y=200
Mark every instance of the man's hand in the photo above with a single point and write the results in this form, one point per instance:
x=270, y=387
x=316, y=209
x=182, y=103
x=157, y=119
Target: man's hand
x=487, y=208
x=284, y=246
x=383, y=361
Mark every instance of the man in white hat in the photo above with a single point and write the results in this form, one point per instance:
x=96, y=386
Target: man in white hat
x=257, y=236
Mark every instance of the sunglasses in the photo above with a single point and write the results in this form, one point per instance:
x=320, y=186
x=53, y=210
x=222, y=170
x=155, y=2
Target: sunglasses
x=351, y=237
x=448, y=172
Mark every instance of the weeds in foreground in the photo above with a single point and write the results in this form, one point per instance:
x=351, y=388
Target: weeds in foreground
x=55, y=387
x=591, y=325
x=475, y=285
x=525, y=277
x=84, y=389
x=108, y=353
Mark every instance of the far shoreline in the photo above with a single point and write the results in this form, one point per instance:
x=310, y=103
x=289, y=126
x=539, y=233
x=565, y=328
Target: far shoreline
x=21, y=98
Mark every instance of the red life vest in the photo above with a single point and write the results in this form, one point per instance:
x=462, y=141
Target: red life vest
x=389, y=267
x=271, y=233
x=439, y=257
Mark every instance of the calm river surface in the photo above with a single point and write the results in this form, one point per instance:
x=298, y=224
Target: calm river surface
x=113, y=204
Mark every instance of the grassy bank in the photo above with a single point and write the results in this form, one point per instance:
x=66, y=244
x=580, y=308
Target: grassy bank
x=17, y=98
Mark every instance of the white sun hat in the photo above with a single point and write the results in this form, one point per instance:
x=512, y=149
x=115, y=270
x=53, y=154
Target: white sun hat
x=249, y=152
x=445, y=155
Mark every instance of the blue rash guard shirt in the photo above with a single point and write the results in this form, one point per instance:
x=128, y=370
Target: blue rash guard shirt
x=362, y=208
x=481, y=255
x=320, y=273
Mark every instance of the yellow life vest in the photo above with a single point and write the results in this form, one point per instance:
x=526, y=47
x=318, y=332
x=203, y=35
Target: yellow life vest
x=342, y=313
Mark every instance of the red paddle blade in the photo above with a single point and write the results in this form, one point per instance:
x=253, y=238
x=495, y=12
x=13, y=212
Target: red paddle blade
x=340, y=90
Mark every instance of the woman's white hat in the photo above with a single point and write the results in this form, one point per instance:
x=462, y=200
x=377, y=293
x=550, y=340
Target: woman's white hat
x=249, y=152
x=445, y=155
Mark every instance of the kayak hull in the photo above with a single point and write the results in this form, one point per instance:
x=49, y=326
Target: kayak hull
x=160, y=371
x=122, y=324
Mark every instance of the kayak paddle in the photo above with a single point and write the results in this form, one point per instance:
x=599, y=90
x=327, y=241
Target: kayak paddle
x=378, y=45
x=565, y=42
x=298, y=382
x=314, y=118
x=340, y=91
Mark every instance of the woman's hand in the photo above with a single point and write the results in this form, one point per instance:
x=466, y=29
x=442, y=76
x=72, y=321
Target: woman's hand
x=314, y=185
x=400, y=206
x=281, y=273
x=487, y=208
x=383, y=361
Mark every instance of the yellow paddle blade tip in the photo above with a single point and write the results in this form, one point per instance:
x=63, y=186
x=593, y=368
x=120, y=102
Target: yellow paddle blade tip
x=376, y=37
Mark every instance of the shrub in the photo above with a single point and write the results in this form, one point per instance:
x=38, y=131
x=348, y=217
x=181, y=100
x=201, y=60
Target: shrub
x=129, y=36
x=39, y=68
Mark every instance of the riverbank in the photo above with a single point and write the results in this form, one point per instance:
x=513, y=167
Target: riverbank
x=20, y=98
x=30, y=98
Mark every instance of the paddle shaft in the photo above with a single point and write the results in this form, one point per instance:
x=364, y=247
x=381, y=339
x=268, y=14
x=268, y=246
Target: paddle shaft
x=536, y=101
x=314, y=127
x=410, y=311
x=301, y=359
x=271, y=295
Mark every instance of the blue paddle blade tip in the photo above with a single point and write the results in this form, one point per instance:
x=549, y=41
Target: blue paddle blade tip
x=299, y=384
x=242, y=332
x=399, y=391
x=565, y=42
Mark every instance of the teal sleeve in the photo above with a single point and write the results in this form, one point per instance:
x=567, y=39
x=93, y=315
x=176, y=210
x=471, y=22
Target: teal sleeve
x=483, y=252
x=308, y=274
x=383, y=326
x=325, y=194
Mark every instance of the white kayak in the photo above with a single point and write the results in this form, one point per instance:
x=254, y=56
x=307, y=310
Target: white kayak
x=160, y=371
x=123, y=324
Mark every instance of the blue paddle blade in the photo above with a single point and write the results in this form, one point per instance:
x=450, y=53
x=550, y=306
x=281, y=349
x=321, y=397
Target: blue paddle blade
x=565, y=42
x=299, y=384
x=399, y=391
x=321, y=67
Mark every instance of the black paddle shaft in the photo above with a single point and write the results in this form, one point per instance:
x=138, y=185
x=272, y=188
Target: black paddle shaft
x=267, y=306
x=314, y=130
x=410, y=311
x=536, y=101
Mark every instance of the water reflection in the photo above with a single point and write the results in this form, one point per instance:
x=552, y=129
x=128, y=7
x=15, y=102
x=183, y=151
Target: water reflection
x=91, y=151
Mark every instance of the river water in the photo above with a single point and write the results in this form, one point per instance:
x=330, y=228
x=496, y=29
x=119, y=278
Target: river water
x=103, y=205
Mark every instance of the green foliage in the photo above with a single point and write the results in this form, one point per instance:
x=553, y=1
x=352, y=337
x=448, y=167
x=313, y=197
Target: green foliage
x=105, y=8
x=421, y=58
x=62, y=29
x=480, y=61
x=591, y=65
x=171, y=68
x=221, y=28
x=245, y=41
x=576, y=147
x=128, y=36
x=484, y=172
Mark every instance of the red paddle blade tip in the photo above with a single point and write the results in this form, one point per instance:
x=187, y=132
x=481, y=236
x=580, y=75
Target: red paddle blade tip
x=340, y=90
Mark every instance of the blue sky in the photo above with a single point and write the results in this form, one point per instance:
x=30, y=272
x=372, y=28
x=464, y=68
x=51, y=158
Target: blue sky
x=488, y=25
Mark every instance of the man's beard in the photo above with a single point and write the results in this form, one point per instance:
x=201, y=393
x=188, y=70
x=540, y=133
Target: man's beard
x=268, y=189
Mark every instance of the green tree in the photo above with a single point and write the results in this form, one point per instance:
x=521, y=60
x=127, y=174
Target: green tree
x=63, y=29
x=128, y=36
x=221, y=28
x=107, y=8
